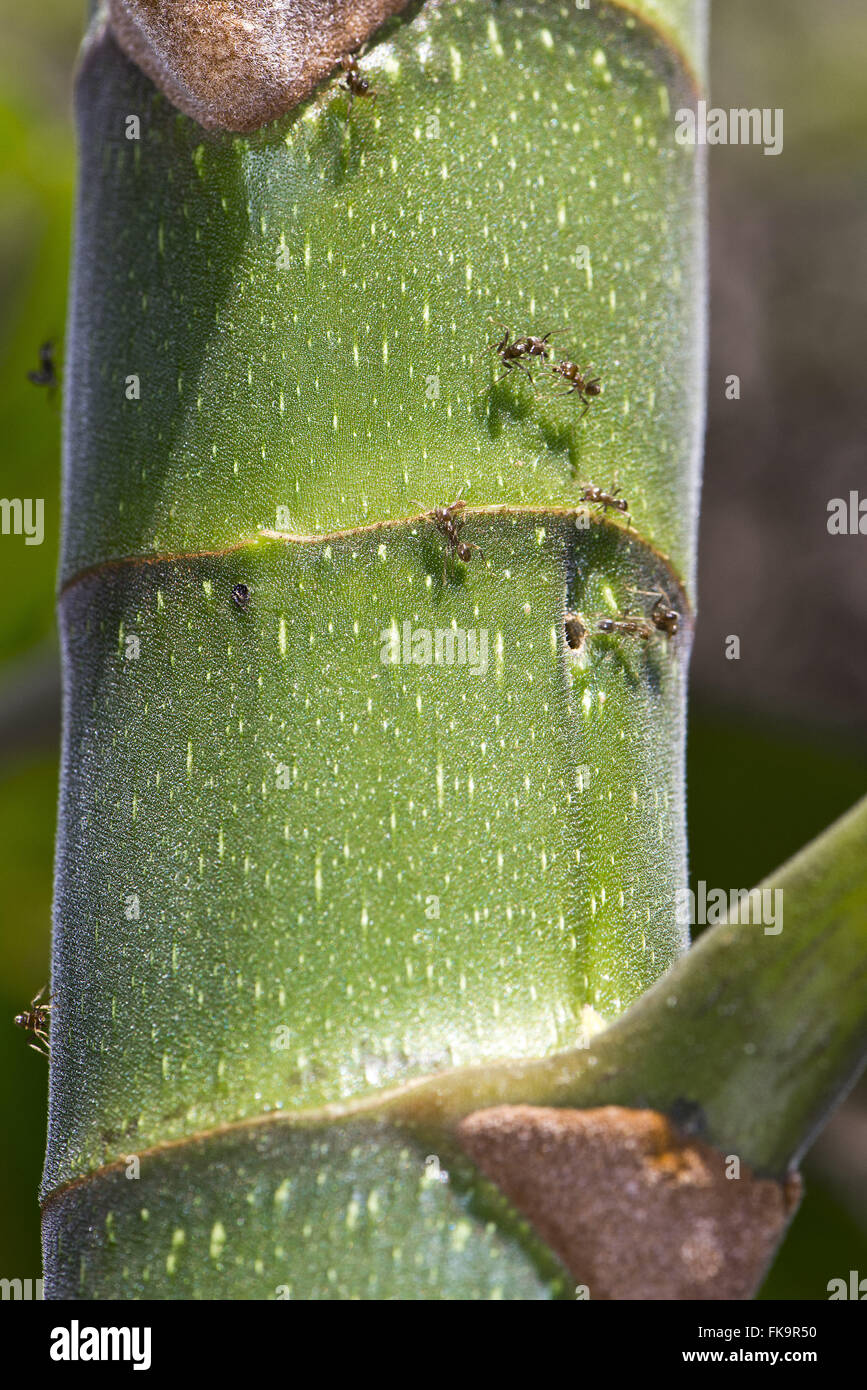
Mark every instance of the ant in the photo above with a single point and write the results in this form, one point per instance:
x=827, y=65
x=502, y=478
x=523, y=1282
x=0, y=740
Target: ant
x=582, y=386
x=35, y=1021
x=604, y=499
x=510, y=353
x=664, y=617
x=446, y=521
x=627, y=625
x=47, y=373
x=356, y=85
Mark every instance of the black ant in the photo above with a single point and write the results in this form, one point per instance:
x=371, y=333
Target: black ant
x=627, y=625
x=47, y=373
x=604, y=499
x=510, y=353
x=664, y=617
x=447, y=522
x=582, y=386
x=356, y=85
x=35, y=1020
x=688, y=1117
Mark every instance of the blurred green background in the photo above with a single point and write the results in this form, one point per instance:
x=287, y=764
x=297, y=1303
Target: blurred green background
x=777, y=744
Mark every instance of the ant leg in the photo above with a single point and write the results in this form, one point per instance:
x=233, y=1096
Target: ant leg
x=510, y=366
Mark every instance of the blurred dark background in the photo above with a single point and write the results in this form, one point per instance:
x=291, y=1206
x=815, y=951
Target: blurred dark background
x=778, y=743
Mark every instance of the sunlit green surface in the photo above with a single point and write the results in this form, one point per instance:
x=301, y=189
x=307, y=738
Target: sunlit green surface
x=384, y=869
x=307, y=310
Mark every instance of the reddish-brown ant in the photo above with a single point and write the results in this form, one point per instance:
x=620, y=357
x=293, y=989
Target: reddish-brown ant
x=582, y=386
x=591, y=493
x=47, y=373
x=356, y=85
x=449, y=525
x=510, y=353
x=627, y=625
x=664, y=617
x=35, y=1020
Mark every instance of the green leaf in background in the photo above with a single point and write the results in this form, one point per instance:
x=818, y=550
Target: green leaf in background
x=36, y=181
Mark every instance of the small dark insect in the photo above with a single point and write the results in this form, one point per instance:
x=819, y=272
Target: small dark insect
x=47, y=373
x=582, y=386
x=604, y=499
x=241, y=596
x=355, y=84
x=449, y=524
x=510, y=353
x=664, y=617
x=575, y=631
x=688, y=1117
x=35, y=1020
x=627, y=625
